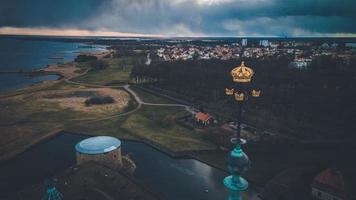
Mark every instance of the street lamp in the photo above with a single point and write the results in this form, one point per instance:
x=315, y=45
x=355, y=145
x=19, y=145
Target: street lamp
x=238, y=162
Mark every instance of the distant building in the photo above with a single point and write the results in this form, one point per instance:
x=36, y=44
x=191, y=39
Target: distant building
x=334, y=45
x=325, y=45
x=352, y=45
x=203, y=118
x=264, y=43
x=301, y=63
x=274, y=44
x=329, y=185
x=104, y=150
x=244, y=42
x=247, y=54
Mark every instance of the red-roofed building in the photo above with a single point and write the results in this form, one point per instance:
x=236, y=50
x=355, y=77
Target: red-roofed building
x=329, y=185
x=203, y=118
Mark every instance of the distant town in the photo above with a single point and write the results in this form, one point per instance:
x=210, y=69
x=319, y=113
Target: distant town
x=303, y=51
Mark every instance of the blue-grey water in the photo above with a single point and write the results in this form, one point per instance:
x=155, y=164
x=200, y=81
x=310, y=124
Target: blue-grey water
x=26, y=55
x=174, y=179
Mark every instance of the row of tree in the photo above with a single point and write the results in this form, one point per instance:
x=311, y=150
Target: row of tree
x=318, y=102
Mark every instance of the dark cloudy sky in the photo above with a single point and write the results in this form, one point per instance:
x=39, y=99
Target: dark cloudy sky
x=187, y=17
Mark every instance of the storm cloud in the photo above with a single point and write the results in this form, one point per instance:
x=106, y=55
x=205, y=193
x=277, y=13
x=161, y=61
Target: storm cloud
x=187, y=17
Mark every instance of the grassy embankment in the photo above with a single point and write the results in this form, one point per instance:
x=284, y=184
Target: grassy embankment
x=26, y=120
x=156, y=125
x=153, y=124
x=151, y=98
x=117, y=72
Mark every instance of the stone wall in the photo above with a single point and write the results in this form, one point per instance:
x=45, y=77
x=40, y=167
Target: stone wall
x=112, y=159
x=322, y=195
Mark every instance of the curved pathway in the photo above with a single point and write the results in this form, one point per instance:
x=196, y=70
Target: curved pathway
x=139, y=101
x=127, y=88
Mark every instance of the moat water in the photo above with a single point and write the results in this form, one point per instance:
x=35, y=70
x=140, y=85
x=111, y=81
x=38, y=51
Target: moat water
x=174, y=179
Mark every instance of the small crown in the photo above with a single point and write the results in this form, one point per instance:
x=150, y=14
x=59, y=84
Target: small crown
x=256, y=93
x=239, y=96
x=242, y=74
x=229, y=92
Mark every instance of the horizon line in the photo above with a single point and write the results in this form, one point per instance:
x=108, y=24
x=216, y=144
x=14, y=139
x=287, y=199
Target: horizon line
x=15, y=31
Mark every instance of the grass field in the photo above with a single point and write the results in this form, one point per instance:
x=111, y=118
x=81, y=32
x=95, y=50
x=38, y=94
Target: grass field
x=24, y=119
x=117, y=72
x=152, y=124
x=151, y=98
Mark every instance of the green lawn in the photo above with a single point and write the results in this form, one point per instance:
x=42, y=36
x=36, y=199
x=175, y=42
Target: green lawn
x=117, y=73
x=151, y=98
x=24, y=119
x=152, y=124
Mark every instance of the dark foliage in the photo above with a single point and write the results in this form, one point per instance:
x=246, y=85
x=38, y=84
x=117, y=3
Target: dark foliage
x=98, y=65
x=85, y=58
x=315, y=103
x=98, y=100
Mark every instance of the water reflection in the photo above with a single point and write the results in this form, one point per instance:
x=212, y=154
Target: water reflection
x=175, y=179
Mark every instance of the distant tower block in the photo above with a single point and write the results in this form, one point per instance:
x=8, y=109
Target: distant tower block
x=104, y=150
x=244, y=42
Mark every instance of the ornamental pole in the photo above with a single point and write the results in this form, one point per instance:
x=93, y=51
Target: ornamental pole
x=238, y=162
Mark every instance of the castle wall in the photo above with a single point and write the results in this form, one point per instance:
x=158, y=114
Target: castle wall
x=112, y=159
x=322, y=195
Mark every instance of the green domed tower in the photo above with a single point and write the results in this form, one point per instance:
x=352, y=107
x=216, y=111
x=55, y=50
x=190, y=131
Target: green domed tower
x=52, y=193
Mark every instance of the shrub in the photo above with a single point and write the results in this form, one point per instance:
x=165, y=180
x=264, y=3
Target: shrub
x=99, y=100
x=85, y=58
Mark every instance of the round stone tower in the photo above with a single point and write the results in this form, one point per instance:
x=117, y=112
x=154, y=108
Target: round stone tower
x=104, y=150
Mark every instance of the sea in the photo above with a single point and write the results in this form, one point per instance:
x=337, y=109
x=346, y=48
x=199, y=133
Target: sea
x=19, y=54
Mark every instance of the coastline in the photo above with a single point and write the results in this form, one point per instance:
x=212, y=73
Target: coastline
x=65, y=70
x=24, y=64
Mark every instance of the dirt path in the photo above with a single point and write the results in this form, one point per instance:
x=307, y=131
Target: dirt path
x=139, y=101
x=127, y=88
